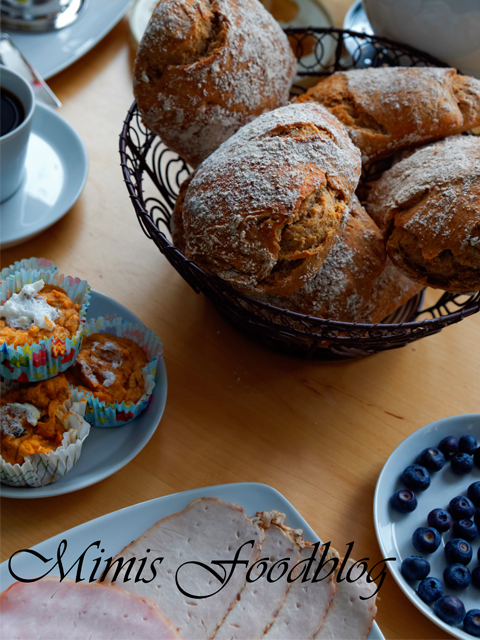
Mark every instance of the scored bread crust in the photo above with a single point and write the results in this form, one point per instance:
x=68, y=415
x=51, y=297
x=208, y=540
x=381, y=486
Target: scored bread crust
x=204, y=68
x=264, y=210
x=391, y=108
x=428, y=204
x=343, y=286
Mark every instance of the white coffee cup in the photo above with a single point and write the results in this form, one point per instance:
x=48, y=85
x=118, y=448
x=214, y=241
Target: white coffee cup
x=447, y=29
x=13, y=145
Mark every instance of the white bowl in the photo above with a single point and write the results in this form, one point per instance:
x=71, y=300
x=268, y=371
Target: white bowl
x=447, y=29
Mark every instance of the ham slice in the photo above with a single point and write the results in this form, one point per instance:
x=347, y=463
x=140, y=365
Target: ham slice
x=260, y=600
x=207, y=530
x=349, y=617
x=53, y=610
x=306, y=603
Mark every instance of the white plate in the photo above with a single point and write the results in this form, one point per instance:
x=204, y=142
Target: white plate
x=56, y=171
x=119, y=528
x=394, y=530
x=52, y=51
x=105, y=451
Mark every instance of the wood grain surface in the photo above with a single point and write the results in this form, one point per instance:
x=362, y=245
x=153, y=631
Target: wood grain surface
x=319, y=433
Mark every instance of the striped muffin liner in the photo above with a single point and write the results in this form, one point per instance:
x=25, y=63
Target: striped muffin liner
x=49, y=357
x=103, y=414
x=40, y=264
x=40, y=469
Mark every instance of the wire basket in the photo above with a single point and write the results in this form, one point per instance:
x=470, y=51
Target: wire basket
x=153, y=175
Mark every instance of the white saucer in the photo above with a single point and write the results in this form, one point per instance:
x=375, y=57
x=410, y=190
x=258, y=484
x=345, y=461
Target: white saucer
x=52, y=51
x=105, y=451
x=56, y=170
x=394, y=530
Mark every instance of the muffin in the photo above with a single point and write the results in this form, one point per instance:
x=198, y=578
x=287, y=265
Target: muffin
x=204, y=69
x=115, y=370
x=41, y=323
x=42, y=432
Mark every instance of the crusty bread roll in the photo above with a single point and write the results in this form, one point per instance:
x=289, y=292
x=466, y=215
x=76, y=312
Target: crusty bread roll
x=204, y=68
x=428, y=204
x=344, y=284
x=391, y=108
x=390, y=291
x=263, y=211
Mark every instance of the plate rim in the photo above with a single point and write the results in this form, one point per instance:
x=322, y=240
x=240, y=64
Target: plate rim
x=456, y=632
x=30, y=493
x=123, y=7
x=79, y=169
x=188, y=495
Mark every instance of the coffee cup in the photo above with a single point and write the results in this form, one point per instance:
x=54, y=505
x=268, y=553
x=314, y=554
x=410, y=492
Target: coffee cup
x=17, y=108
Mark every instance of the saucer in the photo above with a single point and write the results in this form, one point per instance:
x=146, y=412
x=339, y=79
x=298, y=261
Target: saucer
x=56, y=170
x=52, y=51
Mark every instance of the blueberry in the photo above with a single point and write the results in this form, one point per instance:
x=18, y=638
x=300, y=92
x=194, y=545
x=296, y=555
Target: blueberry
x=440, y=519
x=476, y=458
x=457, y=576
x=476, y=517
x=461, y=507
x=404, y=501
x=476, y=576
x=450, y=609
x=461, y=464
x=449, y=447
x=416, y=478
x=426, y=539
x=431, y=459
x=474, y=493
x=465, y=529
x=458, y=550
x=467, y=444
x=430, y=590
x=471, y=622
x=415, y=568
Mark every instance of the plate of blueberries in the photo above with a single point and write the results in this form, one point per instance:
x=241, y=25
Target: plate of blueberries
x=427, y=516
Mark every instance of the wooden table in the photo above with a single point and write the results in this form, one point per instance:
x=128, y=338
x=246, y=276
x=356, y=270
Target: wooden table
x=319, y=433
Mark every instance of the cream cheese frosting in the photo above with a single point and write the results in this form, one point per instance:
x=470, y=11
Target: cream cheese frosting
x=27, y=308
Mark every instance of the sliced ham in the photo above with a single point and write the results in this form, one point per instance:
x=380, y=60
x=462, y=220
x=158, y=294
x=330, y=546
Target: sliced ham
x=260, y=600
x=306, y=603
x=349, y=617
x=207, y=530
x=53, y=610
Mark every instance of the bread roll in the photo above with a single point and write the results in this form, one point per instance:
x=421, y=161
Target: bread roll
x=391, y=108
x=205, y=68
x=344, y=285
x=429, y=206
x=263, y=211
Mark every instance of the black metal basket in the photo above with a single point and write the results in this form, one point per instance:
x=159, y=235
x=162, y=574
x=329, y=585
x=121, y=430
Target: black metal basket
x=153, y=175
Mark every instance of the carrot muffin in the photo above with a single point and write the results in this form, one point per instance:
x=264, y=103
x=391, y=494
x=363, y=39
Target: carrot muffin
x=110, y=367
x=28, y=419
x=38, y=312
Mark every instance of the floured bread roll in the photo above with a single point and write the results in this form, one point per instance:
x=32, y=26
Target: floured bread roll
x=391, y=108
x=264, y=210
x=344, y=285
x=391, y=290
x=428, y=204
x=204, y=68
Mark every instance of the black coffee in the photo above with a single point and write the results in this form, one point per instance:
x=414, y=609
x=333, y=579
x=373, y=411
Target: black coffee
x=12, y=113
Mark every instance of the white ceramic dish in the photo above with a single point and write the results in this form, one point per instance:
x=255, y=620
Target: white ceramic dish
x=52, y=51
x=394, y=530
x=56, y=171
x=105, y=451
x=119, y=528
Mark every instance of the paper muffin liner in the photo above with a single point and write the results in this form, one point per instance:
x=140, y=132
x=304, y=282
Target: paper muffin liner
x=40, y=469
x=103, y=414
x=49, y=357
x=39, y=264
